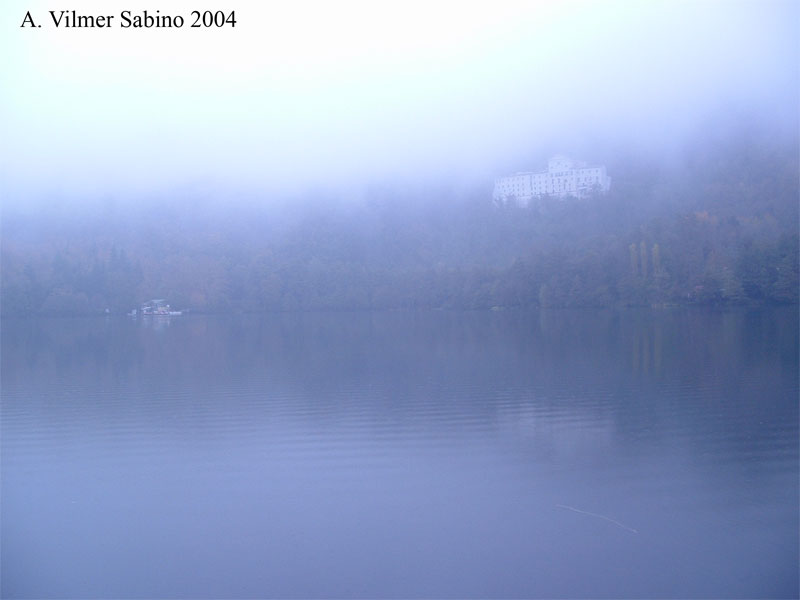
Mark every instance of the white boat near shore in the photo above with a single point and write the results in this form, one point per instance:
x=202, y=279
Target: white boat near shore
x=156, y=308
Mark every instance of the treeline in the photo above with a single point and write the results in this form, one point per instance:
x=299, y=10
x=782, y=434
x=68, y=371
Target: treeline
x=717, y=226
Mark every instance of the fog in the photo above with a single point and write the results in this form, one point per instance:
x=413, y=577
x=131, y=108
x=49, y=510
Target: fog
x=301, y=96
x=269, y=301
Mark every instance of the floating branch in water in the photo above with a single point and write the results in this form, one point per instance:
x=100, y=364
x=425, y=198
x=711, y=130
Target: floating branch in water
x=591, y=514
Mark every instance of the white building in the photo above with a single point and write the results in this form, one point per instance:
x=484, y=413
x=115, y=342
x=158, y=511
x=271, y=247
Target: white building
x=564, y=177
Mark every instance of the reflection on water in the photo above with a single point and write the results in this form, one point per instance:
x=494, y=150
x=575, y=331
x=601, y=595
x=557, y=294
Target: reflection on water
x=402, y=454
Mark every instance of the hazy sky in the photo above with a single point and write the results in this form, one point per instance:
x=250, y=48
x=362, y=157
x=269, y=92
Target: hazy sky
x=316, y=94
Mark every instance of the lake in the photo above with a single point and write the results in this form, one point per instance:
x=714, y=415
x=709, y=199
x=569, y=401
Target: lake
x=637, y=453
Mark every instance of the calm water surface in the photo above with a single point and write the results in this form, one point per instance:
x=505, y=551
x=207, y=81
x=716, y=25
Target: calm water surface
x=557, y=454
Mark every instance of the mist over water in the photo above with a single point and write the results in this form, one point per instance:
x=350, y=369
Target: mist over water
x=384, y=381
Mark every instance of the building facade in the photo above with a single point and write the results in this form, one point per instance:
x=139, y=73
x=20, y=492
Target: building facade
x=564, y=177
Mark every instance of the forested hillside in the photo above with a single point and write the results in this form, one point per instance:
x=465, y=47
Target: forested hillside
x=718, y=226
